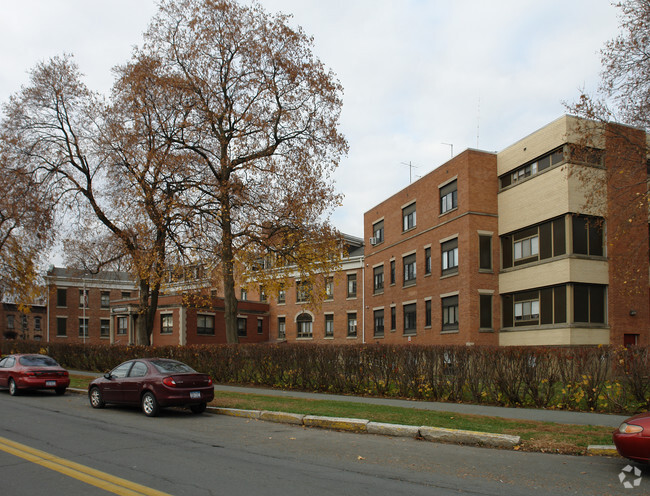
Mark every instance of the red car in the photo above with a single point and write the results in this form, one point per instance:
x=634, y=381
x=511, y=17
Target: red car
x=152, y=383
x=22, y=372
x=632, y=438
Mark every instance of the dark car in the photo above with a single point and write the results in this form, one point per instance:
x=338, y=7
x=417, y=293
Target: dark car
x=632, y=438
x=24, y=372
x=152, y=383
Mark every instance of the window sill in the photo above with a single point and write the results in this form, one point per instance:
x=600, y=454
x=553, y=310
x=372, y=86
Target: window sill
x=328, y=337
x=451, y=274
x=351, y=298
x=376, y=293
x=61, y=336
x=410, y=334
x=447, y=212
x=409, y=284
x=485, y=271
x=409, y=229
x=486, y=330
x=449, y=331
x=282, y=303
x=351, y=337
x=304, y=339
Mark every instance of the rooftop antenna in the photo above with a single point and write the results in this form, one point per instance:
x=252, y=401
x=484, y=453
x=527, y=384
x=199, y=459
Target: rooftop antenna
x=410, y=166
x=478, y=120
x=452, y=148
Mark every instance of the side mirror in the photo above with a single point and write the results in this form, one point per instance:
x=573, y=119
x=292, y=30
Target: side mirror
x=108, y=376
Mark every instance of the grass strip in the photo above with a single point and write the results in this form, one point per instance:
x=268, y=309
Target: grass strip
x=536, y=436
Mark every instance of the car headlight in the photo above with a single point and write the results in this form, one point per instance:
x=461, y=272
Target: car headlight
x=626, y=428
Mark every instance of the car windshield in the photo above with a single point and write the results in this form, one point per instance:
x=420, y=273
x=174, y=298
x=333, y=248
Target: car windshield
x=37, y=361
x=171, y=366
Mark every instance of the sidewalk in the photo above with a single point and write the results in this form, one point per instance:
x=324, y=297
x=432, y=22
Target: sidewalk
x=557, y=416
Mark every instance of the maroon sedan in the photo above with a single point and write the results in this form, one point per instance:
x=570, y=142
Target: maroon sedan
x=152, y=383
x=22, y=372
x=632, y=438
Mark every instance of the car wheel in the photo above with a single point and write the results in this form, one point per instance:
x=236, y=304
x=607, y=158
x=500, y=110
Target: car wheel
x=60, y=391
x=96, y=400
x=13, y=389
x=200, y=408
x=150, y=405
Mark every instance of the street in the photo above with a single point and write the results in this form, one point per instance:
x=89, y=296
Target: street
x=180, y=453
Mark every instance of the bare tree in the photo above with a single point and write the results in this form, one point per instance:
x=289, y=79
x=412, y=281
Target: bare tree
x=260, y=118
x=105, y=161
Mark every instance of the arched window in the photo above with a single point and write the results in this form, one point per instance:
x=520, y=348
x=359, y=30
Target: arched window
x=304, y=323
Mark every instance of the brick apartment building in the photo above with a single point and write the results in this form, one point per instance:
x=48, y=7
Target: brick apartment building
x=17, y=324
x=504, y=248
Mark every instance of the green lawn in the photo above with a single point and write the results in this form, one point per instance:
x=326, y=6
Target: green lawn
x=535, y=436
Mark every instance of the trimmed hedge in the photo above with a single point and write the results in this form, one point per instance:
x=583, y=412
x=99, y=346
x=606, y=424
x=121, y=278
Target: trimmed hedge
x=603, y=379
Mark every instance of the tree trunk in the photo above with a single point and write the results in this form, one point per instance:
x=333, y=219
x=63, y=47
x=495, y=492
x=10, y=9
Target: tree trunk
x=227, y=259
x=142, y=329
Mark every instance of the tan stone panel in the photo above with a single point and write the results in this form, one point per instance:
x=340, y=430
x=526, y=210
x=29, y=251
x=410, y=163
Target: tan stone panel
x=556, y=272
x=555, y=337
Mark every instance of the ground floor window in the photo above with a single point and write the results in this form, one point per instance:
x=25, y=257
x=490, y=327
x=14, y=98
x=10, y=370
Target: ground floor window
x=104, y=328
x=282, y=328
x=305, y=328
x=352, y=324
x=166, y=323
x=329, y=325
x=83, y=328
x=450, y=313
x=241, y=327
x=485, y=309
x=205, y=325
x=61, y=326
x=379, y=323
x=410, y=318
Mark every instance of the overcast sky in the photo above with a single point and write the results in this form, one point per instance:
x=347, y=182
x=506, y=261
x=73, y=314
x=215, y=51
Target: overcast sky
x=417, y=73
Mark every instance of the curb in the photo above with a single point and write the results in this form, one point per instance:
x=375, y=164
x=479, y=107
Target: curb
x=602, y=450
x=341, y=424
x=469, y=437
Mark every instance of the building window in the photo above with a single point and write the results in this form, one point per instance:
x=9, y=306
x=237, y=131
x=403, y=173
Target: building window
x=587, y=235
x=104, y=328
x=262, y=293
x=352, y=325
x=378, y=232
x=83, y=298
x=205, y=325
x=126, y=294
x=450, y=313
x=553, y=158
x=122, y=325
x=449, y=257
x=282, y=296
x=485, y=252
x=303, y=290
x=260, y=326
x=527, y=311
x=10, y=322
x=379, y=323
x=61, y=326
x=62, y=297
x=448, y=197
x=352, y=285
x=589, y=303
x=282, y=328
x=427, y=260
x=24, y=322
x=410, y=318
x=166, y=323
x=408, y=217
x=241, y=327
x=37, y=323
x=105, y=299
x=378, y=279
x=485, y=311
x=393, y=318
x=409, y=269
x=83, y=328
x=427, y=313
x=329, y=326
x=392, y=271
x=329, y=288
x=243, y=295
x=304, y=324
x=539, y=242
x=550, y=307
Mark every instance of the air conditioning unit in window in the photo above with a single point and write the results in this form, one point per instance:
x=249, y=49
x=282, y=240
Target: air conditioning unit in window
x=373, y=241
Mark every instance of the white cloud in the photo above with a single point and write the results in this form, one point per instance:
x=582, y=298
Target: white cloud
x=413, y=71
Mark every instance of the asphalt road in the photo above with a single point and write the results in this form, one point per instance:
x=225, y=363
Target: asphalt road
x=183, y=454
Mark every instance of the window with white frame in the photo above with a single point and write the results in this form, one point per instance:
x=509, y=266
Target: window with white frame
x=122, y=325
x=352, y=324
x=282, y=328
x=448, y=197
x=329, y=325
x=408, y=217
x=105, y=299
x=526, y=248
x=166, y=323
x=526, y=310
x=449, y=254
x=83, y=327
x=450, y=313
x=409, y=269
x=304, y=325
x=378, y=279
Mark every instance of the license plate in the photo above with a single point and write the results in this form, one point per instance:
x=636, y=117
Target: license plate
x=195, y=395
x=50, y=383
